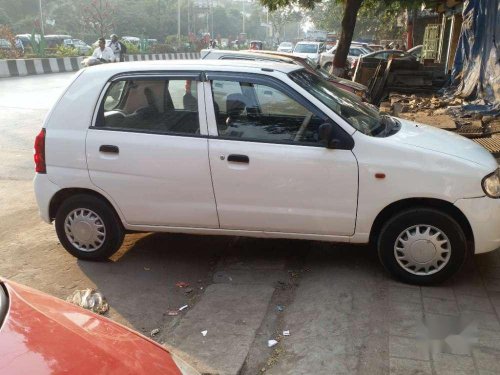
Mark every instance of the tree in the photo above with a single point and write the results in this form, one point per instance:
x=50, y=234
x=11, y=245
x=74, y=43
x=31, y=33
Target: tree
x=348, y=23
x=99, y=16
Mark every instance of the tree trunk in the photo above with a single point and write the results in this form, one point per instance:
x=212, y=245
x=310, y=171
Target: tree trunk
x=351, y=9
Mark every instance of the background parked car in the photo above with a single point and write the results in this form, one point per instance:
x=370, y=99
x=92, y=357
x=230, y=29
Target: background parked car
x=416, y=51
x=344, y=84
x=326, y=58
x=311, y=50
x=54, y=41
x=5, y=44
x=285, y=47
x=82, y=47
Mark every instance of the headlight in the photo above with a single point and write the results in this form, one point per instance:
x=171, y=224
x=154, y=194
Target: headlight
x=491, y=184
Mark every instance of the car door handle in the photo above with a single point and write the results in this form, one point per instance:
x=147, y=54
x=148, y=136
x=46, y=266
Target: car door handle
x=238, y=158
x=109, y=149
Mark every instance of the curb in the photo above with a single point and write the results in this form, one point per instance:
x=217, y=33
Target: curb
x=25, y=67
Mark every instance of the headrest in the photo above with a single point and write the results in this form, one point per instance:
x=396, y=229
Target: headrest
x=235, y=104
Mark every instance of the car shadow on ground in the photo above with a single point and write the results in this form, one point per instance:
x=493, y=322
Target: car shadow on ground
x=139, y=282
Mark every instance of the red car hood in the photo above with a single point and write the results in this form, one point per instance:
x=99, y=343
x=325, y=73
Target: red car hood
x=44, y=335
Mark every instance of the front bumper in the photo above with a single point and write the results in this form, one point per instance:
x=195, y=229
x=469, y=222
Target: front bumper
x=484, y=217
x=44, y=191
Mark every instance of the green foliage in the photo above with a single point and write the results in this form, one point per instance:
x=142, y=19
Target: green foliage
x=38, y=47
x=64, y=51
x=132, y=49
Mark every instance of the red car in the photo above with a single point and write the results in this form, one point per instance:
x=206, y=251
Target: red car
x=40, y=334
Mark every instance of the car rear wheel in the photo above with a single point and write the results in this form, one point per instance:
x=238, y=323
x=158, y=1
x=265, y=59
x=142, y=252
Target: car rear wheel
x=88, y=228
x=422, y=246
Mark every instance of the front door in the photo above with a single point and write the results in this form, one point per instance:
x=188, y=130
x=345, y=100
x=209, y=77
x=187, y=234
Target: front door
x=269, y=170
x=149, y=152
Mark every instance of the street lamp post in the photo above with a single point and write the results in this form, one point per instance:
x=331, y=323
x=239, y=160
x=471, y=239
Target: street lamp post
x=179, y=21
x=41, y=18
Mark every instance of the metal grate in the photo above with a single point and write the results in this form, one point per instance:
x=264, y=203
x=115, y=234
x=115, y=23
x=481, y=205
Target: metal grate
x=491, y=144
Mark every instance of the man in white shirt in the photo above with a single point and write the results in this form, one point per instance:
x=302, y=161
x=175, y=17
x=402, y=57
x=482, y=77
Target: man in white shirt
x=103, y=53
x=116, y=47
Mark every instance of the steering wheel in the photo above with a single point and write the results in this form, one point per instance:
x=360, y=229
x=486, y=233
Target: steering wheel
x=303, y=127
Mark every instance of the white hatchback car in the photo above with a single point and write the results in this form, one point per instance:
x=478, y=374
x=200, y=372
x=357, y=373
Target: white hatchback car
x=258, y=149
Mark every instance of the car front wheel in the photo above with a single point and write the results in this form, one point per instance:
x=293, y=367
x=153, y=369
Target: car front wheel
x=88, y=228
x=422, y=246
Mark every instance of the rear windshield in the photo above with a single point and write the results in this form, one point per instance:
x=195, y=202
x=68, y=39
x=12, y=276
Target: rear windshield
x=306, y=48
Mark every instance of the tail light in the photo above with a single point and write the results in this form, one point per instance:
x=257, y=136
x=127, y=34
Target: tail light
x=39, y=156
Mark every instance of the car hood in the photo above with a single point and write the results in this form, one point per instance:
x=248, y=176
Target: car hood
x=443, y=141
x=44, y=335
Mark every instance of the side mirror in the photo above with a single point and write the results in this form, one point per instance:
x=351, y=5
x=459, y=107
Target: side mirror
x=326, y=136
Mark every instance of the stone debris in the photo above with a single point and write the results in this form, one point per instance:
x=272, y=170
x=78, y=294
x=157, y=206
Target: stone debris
x=271, y=343
x=154, y=332
x=89, y=299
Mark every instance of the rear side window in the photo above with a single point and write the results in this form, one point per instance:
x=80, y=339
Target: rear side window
x=151, y=105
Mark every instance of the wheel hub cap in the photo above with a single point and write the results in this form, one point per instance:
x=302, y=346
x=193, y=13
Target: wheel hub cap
x=85, y=229
x=422, y=250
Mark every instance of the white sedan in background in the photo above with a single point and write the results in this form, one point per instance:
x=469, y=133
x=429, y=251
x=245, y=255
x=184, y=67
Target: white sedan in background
x=311, y=50
x=285, y=47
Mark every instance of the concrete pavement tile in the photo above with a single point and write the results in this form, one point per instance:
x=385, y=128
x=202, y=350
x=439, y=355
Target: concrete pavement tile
x=474, y=303
x=398, y=294
x=244, y=276
x=487, y=359
x=400, y=366
x=404, y=347
x=405, y=323
x=449, y=364
x=489, y=339
x=439, y=292
x=405, y=306
x=492, y=284
x=231, y=314
x=470, y=285
x=318, y=364
x=440, y=306
x=485, y=321
x=484, y=372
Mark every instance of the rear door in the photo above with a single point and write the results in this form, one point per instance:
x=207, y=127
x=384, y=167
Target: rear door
x=148, y=150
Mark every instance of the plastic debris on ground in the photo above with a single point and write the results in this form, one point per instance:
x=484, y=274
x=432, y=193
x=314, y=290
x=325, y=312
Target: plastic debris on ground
x=271, y=343
x=286, y=333
x=204, y=333
x=147, y=269
x=173, y=312
x=154, y=332
x=183, y=307
x=182, y=284
x=89, y=299
x=279, y=308
x=188, y=290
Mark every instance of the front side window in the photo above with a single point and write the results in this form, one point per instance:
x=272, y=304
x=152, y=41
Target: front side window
x=260, y=112
x=151, y=105
x=347, y=105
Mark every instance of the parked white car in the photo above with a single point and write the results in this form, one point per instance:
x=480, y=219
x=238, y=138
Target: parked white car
x=285, y=47
x=311, y=50
x=258, y=149
x=355, y=52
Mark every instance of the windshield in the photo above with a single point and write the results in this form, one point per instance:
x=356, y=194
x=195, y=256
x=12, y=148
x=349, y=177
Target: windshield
x=345, y=104
x=306, y=48
x=285, y=44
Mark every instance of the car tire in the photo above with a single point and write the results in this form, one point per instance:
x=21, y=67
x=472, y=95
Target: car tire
x=327, y=66
x=422, y=246
x=88, y=227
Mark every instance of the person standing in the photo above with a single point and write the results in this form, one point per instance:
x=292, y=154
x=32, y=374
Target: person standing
x=116, y=47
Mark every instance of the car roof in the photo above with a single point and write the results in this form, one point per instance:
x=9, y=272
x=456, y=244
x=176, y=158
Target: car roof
x=309, y=42
x=288, y=58
x=196, y=65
